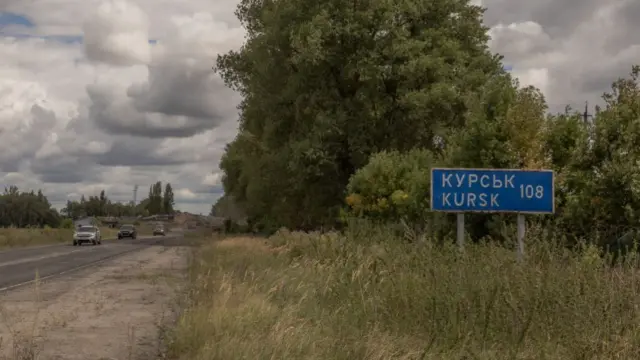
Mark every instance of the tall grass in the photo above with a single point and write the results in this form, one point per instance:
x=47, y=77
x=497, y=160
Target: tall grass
x=17, y=237
x=22, y=237
x=369, y=294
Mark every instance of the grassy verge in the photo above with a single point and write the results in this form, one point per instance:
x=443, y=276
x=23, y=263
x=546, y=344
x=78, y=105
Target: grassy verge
x=14, y=237
x=368, y=295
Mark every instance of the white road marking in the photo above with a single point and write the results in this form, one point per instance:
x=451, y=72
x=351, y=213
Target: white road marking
x=93, y=263
x=31, y=259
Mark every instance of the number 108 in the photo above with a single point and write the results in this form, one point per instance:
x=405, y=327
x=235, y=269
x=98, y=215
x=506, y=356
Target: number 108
x=528, y=191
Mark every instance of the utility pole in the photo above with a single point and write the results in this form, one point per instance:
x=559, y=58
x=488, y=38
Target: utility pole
x=586, y=115
x=135, y=198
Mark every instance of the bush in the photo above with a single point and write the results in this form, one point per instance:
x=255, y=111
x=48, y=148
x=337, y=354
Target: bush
x=392, y=186
x=66, y=224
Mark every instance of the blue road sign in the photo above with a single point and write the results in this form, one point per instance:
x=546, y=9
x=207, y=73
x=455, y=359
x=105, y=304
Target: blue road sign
x=492, y=190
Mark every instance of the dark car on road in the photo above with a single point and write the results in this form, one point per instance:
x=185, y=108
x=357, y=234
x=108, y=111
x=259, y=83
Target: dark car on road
x=127, y=231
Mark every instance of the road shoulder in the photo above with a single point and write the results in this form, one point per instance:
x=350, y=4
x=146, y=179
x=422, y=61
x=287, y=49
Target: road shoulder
x=117, y=310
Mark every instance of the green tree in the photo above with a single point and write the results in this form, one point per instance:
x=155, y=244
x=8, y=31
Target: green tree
x=168, y=199
x=155, y=204
x=227, y=206
x=392, y=187
x=600, y=173
x=353, y=79
x=26, y=209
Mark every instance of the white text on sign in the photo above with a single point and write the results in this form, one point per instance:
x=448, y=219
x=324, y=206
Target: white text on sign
x=528, y=192
x=470, y=199
x=486, y=181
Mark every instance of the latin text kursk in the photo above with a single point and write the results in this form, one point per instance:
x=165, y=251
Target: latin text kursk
x=469, y=181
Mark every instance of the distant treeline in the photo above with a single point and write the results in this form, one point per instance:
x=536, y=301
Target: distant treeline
x=27, y=209
x=33, y=209
x=157, y=202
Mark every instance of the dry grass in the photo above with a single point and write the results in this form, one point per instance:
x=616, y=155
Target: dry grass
x=125, y=308
x=369, y=295
x=15, y=237
x=22, y=341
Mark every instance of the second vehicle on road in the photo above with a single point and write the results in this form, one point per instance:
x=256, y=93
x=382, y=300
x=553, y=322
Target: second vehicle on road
x=127, y=231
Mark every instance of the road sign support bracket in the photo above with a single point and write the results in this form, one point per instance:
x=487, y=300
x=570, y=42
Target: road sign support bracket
x=467, y=190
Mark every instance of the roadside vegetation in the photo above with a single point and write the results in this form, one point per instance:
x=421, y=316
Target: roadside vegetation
x=28, y=218
x=369, y=294
x=17, y=237
x=370, y=96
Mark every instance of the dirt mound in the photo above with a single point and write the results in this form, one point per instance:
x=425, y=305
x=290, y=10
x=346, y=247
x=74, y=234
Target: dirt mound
x=184, y=218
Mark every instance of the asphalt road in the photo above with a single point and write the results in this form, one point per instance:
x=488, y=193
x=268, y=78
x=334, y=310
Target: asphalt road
x=19, y=266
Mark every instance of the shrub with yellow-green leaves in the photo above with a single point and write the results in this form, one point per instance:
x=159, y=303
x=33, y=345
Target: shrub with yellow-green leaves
x=392, y=186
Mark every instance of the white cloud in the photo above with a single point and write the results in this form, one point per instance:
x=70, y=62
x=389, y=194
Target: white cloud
x=116, y=111
x=117, y=34
x=572, y=50
x=534, y=77
x=185, y=194
x=213, y=179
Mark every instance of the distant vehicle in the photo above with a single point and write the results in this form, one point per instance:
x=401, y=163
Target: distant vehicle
x=89, y=234
x=127, y=231
x=158, y=230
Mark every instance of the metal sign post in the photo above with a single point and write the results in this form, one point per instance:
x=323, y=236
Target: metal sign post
x=521, y=231
x=492, y=191
x=460, y=230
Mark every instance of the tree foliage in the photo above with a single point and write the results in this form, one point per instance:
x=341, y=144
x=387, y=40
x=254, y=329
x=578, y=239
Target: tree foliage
x=352, y=79
x=392, y=186
x=347, y=105
x=101, y=205
x=168, y=200
x=227, y=207
x=26, y=209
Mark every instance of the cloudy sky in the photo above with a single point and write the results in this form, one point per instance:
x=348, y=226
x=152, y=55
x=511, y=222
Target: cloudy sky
x=101, y=94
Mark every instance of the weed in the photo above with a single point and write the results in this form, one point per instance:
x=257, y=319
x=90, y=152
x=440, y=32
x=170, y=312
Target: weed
x=371, y=295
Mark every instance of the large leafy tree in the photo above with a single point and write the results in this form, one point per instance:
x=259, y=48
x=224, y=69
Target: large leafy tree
x=602, y=177
x=328, y=83
x=26, y=209
x=168, y=199
x=155, y=204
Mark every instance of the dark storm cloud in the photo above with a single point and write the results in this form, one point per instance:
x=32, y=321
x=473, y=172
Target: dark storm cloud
x=179, y=89
x=583, y=45
x=64, y=169
x=10, y=164
x=205, y=189
x=122, y=118
x=23, y=143
x=180, y=99
x=135, y=152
